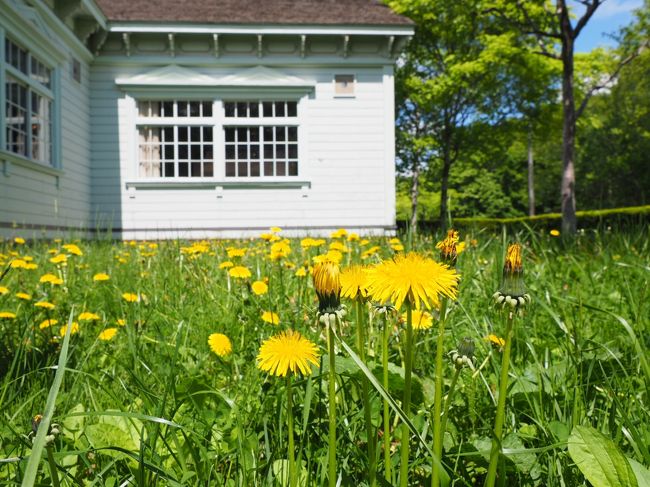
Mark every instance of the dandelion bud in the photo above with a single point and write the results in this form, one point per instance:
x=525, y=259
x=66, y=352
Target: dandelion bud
x=466, y=347
x=448, y=248
x=513, y=290
x=327, y=282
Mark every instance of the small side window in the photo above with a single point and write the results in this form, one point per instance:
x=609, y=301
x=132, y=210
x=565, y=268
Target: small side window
x=76, y=70
x=344, y=85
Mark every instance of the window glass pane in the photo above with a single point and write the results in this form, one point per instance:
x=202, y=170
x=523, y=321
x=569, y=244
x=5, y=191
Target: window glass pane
x=230, y=169
x=195, y=108
x=230, y=134
x=182, y=169
x=255, y=168
x=207, y=108
x=242, y=111
x=168, y=134
x=207, y=151
x=230, y=151
x=268, y=151
x=279, y=133
x=169, y=169
x=267, y=108
x=169, y=152
x=268, y=168
x=292, y=134
x=167, y=109
x=182, y=108
x=182, y=134
x=268, y=134
x=242, y=151
x=279, y=109
x=242, y=169
x=255, y=151
x=280, y=151
x=293, y=151
x=195, y=134
x=280, y=168
x=207, y=134
x=254, y=109
x=182, y=151
x=293, y=168
x=254, y=134
x=195, y=151
x=229, y=108
x=16, y=117
x=208, y=170
x=242, y=134
x=196, y=169
x=292, y=109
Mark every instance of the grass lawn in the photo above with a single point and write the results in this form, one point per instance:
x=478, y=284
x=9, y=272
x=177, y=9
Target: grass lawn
x=144, y=400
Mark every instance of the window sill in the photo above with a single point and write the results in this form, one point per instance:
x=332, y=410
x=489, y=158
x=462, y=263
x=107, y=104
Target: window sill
x=217, y=185
x=9, y=158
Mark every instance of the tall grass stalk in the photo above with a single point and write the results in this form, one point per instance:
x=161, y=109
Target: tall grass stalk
x=406, y=404
x=293, y=478
x=387, y=432
x=437, y=399
x=501, y=405
x=331, y=466
x=365, y=394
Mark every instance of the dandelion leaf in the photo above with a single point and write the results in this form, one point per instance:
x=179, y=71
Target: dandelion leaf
x=599, y=460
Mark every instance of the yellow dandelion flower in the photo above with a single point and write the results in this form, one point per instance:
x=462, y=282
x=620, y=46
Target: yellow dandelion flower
x=87, y=316
x=260, y=287
x=4, y=290
x=25, y=296
x=51, y=279
x=267, y=236
x=7, y=315
x=397, y=247
x=422, y=320
x=275, y=229
x=74, y=329
x=449, y=247
x=45, y=305
x=101, y=277
x=513, y=264
x=130, y=297
x=340, y=233
x=370, y=252
x=240, y=272
x=47, y=323
x=331, y=256
x=270, y=317
x=226, y=265
x=554, y=233
x=495, y=340
x=234, y=252
x=301, y=272
x=19, y=240
x=107, y=334
x=280, y=250
x=394, y=241
x=121, y=321
x=220, y=344
x=327, y=283
x=287, y=351
x=413, y=278
x=18, y=264
x=59, y=259
x=364, y=242
x=72, y=249
x=353, y=282
x=354, y=237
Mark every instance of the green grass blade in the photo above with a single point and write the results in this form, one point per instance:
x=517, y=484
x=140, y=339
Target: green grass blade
x=39, y=442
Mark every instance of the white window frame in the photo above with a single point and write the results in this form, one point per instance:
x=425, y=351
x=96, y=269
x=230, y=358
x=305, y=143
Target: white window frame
x=33, y=87
x=219, y=122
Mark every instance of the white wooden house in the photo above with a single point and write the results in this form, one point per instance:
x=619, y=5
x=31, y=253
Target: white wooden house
x=203, y=118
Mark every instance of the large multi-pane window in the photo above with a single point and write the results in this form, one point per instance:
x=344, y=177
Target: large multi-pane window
x=178, y=139
x=28, y=104
x=261, y=138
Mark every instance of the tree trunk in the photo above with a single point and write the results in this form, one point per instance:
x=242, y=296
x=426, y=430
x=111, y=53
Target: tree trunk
x=415, y=193
x=531, y=175
x=569, y=223
x=444, y=186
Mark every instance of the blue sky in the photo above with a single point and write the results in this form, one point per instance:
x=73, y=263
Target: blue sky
x=609, y=17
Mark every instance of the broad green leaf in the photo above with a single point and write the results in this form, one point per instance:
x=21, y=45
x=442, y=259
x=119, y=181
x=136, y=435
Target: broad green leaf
x=599, y=459
x=642, y=473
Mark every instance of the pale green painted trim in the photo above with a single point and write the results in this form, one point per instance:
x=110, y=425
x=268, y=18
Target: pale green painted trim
x=29, y=36
x=195, y=92
x=28, y=163
x=57, y=159
x=3, y=126
x=296, y=29
x=96, y=12
x=33, y=85
x=218, y=184
x=237, y=61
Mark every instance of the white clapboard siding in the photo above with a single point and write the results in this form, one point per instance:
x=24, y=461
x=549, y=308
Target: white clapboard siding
x=33, y=198
x=346, y=160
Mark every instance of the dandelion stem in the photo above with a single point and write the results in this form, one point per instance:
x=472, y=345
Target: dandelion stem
x=365, y=391
x=387, y=435
x=445, y=409
x=53, y=473
x=332, y=406
x=293, y=480
x=406, y=403
x=437, y=401
x=501, y=405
